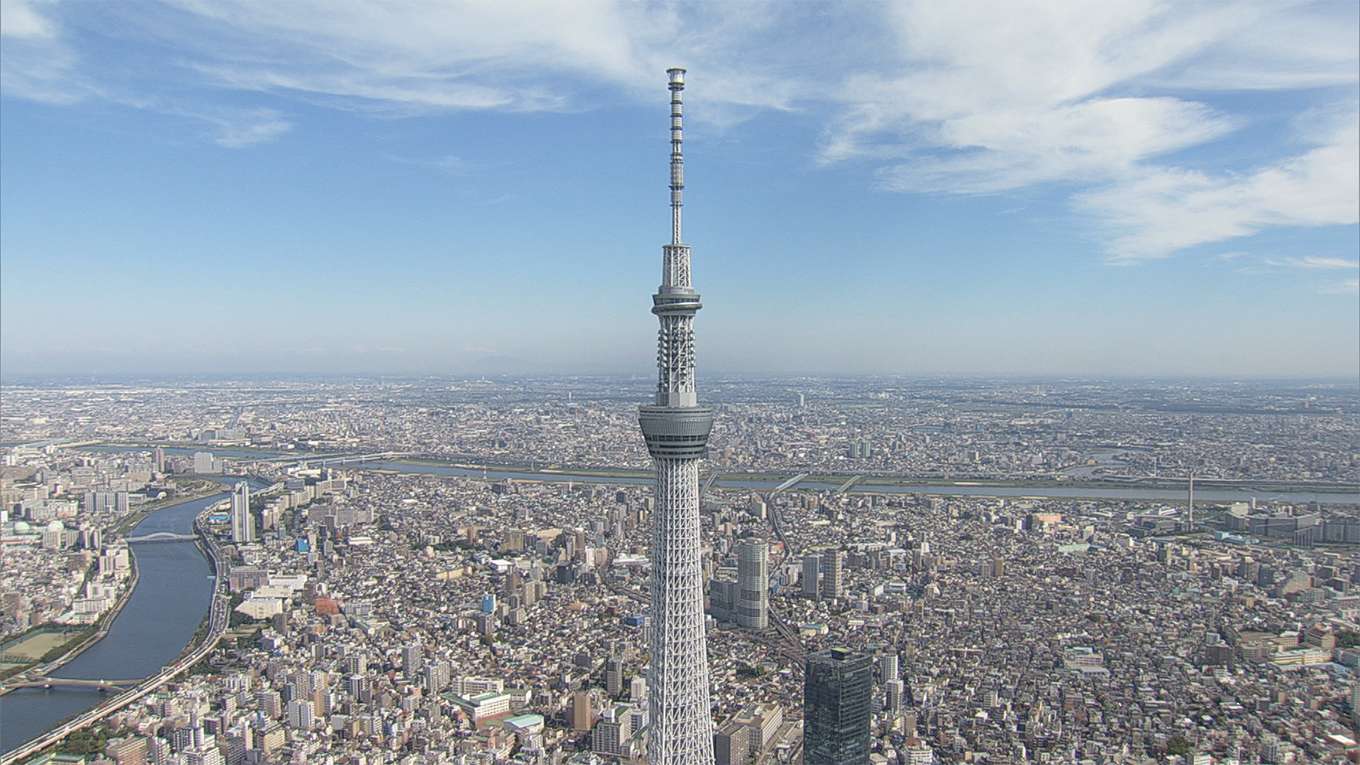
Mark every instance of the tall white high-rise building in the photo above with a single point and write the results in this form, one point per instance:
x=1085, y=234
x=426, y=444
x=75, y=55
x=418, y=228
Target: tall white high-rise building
x=242, y=521
x=887, y=666
x=676, y=429
x=203, y=463
x=753, y=585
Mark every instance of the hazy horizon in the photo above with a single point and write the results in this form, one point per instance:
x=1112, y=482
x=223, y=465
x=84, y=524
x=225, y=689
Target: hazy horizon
x=646, y=379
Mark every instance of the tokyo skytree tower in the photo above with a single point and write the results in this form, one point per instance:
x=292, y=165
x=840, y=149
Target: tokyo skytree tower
x=676, y=428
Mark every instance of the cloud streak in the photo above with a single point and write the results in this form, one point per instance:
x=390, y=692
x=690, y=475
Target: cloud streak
x=19, y=20
x=35, y=63
x=1105, y=103
x=1313, y=262
x=1163, y=210
x=1347, y=287
x=414, y=56
x=990, y=98
x=236, y=130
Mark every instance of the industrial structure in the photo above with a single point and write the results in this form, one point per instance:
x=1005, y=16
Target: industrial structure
x=676, y=429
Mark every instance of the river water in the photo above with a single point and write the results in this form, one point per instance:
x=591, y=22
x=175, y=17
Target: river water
x=173, y=593
x=869, y=485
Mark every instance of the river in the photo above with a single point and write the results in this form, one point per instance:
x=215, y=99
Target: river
x=173, y=593
x=877, y=486
x=868, y=485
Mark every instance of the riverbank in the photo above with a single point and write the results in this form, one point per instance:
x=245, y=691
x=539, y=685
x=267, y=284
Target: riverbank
x=217, y=623
x=1264, y=486
x=198, y=489
x=99, y=629
x=868, y=481
x=174, y=590
x=91, y=635
x=1165, y=490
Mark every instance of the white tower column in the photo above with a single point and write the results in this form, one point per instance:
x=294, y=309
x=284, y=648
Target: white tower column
x=676, y=429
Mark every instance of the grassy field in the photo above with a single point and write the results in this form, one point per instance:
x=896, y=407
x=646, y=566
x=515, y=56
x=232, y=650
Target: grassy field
x=35, y=645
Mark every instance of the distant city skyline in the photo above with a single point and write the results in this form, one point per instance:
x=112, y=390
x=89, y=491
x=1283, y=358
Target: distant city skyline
x=1132, y=190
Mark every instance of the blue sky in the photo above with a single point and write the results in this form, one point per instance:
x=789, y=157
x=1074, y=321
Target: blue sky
x=1120, y=188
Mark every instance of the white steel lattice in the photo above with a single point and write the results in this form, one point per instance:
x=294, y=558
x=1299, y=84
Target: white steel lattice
x=675, y=354
x=681, y=727
x=675, y=266
x=680, y=731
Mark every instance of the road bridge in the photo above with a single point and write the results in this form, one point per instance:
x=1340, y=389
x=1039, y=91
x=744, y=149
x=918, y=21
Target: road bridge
x=854, y=479
x=789, y=484
x=71, y=682
x=161, y=536
x=334, y=459
x=709, y=483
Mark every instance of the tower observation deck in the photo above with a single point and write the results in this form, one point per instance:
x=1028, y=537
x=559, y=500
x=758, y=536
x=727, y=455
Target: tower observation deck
x=676, y=429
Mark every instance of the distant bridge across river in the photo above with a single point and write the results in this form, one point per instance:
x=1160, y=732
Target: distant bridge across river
x=333, y=459
x=71, y=682
x=161, y=536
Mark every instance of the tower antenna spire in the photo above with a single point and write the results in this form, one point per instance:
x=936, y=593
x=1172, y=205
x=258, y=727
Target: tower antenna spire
x=677, y=87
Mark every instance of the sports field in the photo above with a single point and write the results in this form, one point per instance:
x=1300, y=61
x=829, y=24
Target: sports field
x=31, y=647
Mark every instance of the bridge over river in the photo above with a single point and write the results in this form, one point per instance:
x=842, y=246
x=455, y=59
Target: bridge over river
x=161, y=536
x=49, y=683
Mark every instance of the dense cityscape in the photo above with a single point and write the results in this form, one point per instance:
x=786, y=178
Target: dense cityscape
x=456, y=570
x=1034, y=437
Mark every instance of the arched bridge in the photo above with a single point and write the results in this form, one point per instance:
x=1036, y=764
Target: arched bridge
x=161, y=536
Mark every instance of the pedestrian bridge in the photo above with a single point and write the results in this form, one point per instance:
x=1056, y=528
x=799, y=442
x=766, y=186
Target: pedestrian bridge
x=161, y=536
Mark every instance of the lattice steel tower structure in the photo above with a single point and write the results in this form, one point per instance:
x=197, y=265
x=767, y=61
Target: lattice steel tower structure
x=676, y=428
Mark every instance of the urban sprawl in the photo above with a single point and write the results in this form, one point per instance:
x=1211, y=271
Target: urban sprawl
x=456, y=571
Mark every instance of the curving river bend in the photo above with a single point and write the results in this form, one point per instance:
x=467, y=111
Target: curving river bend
x=173, y=593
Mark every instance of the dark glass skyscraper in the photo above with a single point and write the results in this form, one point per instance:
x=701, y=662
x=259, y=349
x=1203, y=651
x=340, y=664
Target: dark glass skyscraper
x=837, y=689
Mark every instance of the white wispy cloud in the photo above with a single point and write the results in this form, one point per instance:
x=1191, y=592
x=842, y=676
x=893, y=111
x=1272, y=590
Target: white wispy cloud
x=39, y=63
x=1103, y=101
x=415, y=56
x=1347, y=287
x=1292, y=45
x=1089, y=141
x=35, y=63
x=992, y=97
x=20, y=20
x=973, y=72
x=239, y=129
x=1159, y=211
x=1314, y=262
